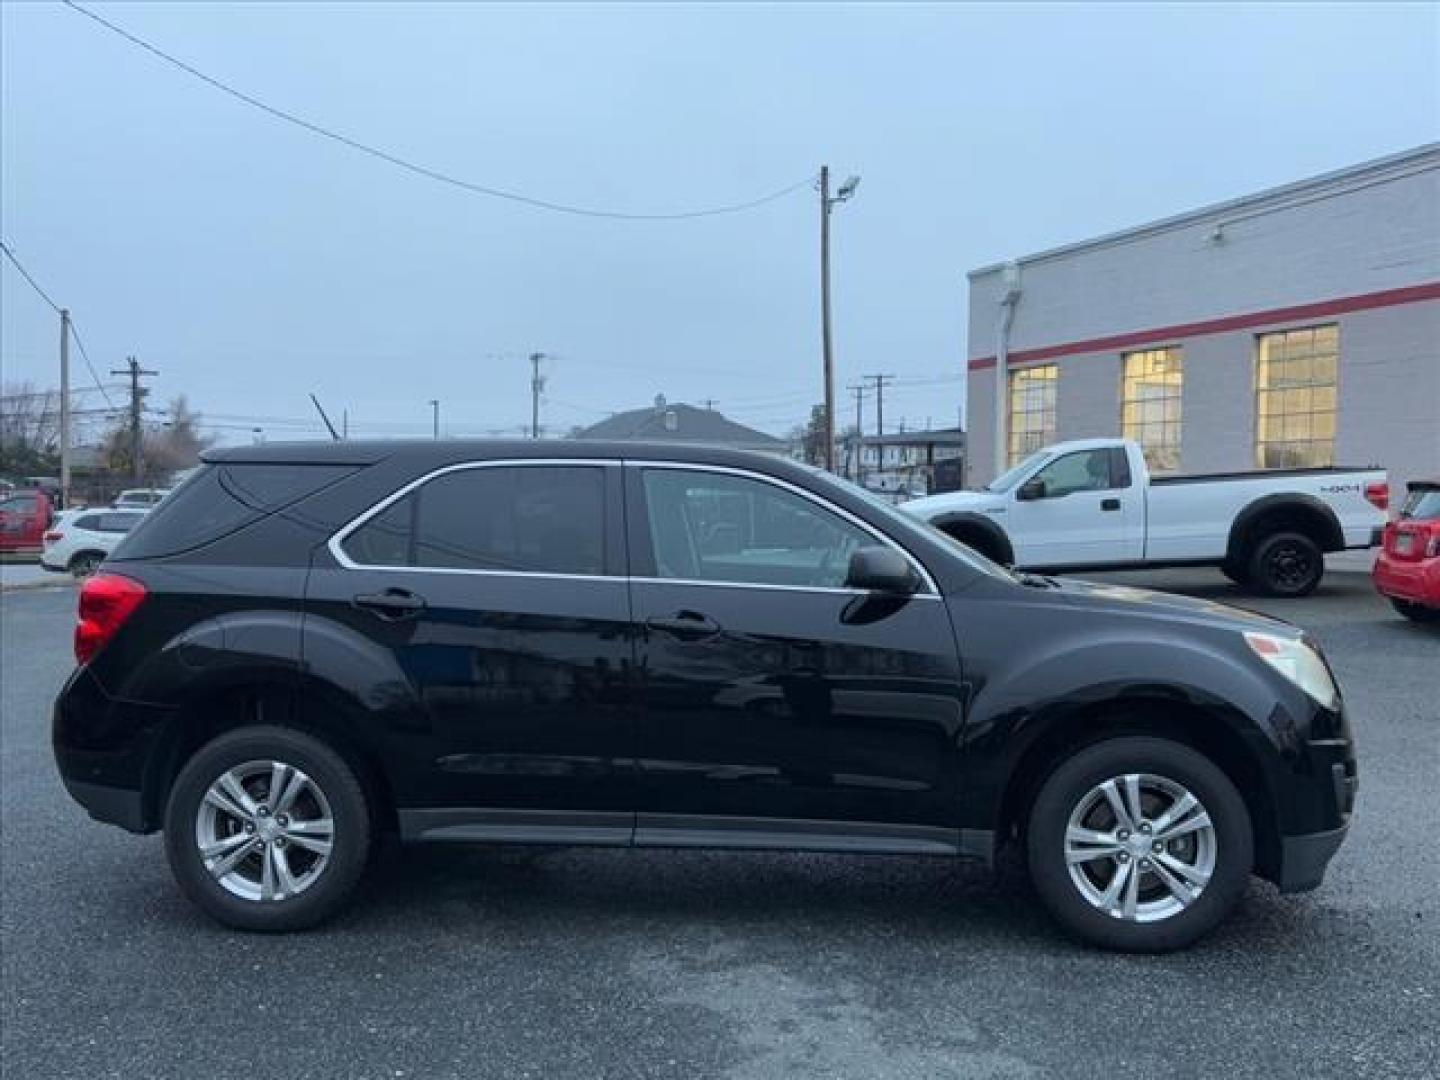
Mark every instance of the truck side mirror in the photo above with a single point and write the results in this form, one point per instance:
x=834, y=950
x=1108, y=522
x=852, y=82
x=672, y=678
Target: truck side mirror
x=1031, y=490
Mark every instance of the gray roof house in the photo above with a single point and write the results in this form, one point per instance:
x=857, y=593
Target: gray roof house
x=678, y=422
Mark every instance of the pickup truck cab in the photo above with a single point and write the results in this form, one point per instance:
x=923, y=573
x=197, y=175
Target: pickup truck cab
x=1092, y=504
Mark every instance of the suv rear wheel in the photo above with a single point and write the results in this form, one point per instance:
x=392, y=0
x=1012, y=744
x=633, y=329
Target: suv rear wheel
x=1140, y=844
x=267, y=828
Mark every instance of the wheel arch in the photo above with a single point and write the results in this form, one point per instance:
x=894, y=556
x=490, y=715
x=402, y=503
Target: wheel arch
x=1186, y=723
x=1284, y=512
x=229, y=704
x=979, y=532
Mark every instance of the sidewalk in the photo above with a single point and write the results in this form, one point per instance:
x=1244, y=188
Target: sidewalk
x=30, y=575
x=1351, y=562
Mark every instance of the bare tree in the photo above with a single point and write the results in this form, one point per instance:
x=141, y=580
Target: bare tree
x=29, y=429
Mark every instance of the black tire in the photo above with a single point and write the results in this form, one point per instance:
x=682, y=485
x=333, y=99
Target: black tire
x=85, y=563
x=1075, y=778
x=1286, y=564
x=349, y=810
x=1418, y=612
x=1235, y=571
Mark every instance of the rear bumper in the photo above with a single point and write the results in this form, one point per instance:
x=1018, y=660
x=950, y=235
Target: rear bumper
x=104, y=751
x=1303, y=859
x=1417, y=581
x=112, y=805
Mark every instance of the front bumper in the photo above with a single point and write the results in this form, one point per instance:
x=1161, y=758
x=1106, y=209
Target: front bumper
x=1303, y=859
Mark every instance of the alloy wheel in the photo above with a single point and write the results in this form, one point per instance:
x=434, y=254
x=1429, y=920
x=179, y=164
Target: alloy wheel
x=265, y=831
x=1140, y=847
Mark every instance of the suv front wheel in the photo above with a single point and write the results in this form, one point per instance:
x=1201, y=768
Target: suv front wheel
x=267, y=828
x=1140, y=844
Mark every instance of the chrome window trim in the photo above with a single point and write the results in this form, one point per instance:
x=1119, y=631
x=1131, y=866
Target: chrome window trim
x=337, y=551
x=794, y=489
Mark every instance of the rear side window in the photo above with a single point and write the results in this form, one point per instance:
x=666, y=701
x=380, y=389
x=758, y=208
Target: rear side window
x=219, y=499
x=89, y=521
x=119, y=523
x=525, y=518
x=1423, y=504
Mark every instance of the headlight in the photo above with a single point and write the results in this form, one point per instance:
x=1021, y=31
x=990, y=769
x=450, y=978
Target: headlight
x=1299, y=663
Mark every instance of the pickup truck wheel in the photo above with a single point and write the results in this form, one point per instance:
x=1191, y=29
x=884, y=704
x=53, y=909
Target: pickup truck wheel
x=1286, y=564
x=1419, y=612
x=1235, y=572
x=267, y=828
x=1140, y=844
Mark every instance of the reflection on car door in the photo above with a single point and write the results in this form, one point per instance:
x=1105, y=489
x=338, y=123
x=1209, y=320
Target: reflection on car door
x=774, y=701
x=491, y=608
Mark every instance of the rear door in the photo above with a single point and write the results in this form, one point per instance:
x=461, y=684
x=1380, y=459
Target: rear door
x=778, y=707
x=486, y=610
x=1091, y=513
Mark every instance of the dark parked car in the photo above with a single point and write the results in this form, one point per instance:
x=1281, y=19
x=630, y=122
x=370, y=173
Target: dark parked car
x=655, y=646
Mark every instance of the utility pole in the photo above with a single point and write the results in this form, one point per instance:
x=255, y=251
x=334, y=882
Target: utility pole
x=537, y=383
x=65, y=408
x=859, y=391
x=827, y=204
x=435, y=416
x=137, y=395
x=880, y=381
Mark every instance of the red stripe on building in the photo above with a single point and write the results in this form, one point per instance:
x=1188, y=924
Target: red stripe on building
x=1323, y=309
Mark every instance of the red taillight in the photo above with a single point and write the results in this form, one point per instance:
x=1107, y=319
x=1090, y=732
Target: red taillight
x=106, y=601
x=1378, y=495
x=1432, y=546
x=54, y=537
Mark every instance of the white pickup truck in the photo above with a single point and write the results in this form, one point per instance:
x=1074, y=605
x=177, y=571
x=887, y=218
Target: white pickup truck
x=1092, y=504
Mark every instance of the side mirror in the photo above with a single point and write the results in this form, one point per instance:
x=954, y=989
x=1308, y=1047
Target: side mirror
x=881, y=569
x=1031, y=490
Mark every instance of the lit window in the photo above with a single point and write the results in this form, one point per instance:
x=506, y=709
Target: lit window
x=1150, y=405
x=1032, y=410
x=1295, y=392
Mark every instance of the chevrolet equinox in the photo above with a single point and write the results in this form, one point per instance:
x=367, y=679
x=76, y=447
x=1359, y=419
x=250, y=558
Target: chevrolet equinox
x=664, y=646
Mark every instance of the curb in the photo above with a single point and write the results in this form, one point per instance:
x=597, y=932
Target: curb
x=35, y=586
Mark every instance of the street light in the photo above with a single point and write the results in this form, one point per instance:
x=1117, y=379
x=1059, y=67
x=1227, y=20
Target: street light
x=827, y=203
x=435, y=416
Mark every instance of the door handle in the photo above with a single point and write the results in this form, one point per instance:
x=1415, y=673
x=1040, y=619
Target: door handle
x=686, y=625
x=1109, y=504
x=391, y=604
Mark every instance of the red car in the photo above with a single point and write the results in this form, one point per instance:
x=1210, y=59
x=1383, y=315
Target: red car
x=1408, y=567
x=24, y=517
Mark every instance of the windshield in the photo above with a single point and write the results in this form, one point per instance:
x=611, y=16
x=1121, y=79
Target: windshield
x=1008, y=479
x=902, y=524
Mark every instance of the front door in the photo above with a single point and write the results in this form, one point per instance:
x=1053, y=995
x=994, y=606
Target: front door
x=487, y=611
x=776, y=703
x=1089, y=512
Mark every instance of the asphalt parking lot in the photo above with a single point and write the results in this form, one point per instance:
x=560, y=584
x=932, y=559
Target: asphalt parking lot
x=589, y=963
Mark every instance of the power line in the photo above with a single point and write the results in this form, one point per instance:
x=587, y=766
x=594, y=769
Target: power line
x=413, y=167
x=26, y=275
x=85, y=354
x=74, y=331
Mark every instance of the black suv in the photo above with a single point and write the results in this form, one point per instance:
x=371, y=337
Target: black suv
x=656, y=646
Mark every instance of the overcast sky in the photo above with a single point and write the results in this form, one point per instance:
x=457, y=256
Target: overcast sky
x=251, y=262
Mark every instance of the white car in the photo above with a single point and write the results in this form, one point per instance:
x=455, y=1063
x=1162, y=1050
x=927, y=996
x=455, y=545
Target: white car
x=139, y=498
x=1092, y=504
x=79, y=540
